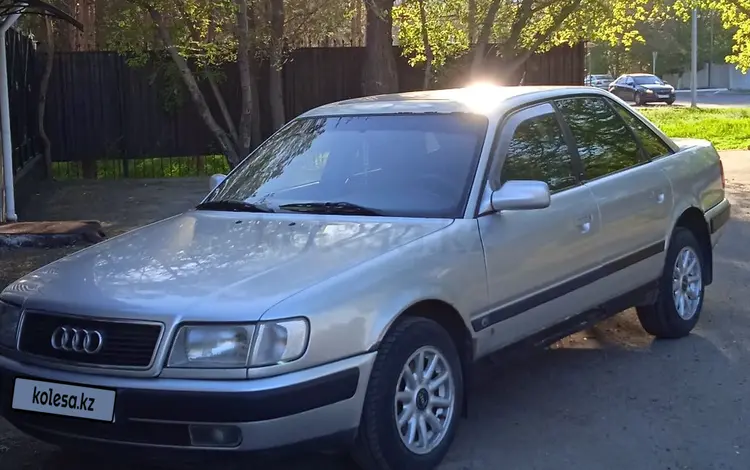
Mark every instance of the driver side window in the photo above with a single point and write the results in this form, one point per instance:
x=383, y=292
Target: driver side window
x=538, y=151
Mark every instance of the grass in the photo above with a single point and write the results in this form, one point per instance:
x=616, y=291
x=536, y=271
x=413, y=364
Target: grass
x=145, y=168
x=726, y=128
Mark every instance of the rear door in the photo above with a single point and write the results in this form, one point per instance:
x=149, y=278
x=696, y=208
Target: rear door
x=633, y=195
x=617, y=86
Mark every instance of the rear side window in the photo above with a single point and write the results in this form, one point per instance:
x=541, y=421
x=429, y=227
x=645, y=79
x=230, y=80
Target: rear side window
x=538, y=151
x=605, y=144
x=652, y=143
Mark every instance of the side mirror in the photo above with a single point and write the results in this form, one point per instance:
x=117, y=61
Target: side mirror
x=521, y=195
x=215, y=180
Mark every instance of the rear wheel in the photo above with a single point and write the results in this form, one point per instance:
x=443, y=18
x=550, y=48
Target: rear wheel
x=678, y=307
x=413, y=401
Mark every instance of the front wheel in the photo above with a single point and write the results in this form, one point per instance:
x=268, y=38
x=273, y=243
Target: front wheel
x=670, y=102
x=678, y=307
x=638, y=99
x=414, y=399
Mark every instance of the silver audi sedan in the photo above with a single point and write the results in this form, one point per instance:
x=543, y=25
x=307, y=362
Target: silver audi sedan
x=334, y=287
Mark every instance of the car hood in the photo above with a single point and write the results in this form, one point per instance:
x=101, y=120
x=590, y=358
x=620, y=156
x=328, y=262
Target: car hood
x=203, y=263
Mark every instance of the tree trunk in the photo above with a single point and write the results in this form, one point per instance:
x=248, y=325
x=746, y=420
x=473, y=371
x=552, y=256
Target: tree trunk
x=356, y=35
x=91, y=33
x=276, y=90
x=427, y=47
x=257, y=135
x=227, y=146
x=477, y=62
x=232, y=130
x=72, y=31
x=43, y=87
x=379, y=71
x=244, y=46
x=85, y=17
x=472, y=21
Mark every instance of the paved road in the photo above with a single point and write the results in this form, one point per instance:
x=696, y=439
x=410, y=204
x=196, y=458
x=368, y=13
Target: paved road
x=714, y=99
x=609, y=398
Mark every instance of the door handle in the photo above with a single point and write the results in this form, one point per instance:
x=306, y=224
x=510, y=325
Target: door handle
x=584, y=224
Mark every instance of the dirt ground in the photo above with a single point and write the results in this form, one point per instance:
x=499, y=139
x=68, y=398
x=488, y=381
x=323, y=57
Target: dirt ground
x=607, y=398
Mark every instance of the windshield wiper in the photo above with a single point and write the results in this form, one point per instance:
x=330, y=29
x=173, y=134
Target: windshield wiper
x=343, y=208
x=233, y=206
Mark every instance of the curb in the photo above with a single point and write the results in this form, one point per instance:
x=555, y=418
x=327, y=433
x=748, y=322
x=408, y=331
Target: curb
x=704, y=90
x=34, y=235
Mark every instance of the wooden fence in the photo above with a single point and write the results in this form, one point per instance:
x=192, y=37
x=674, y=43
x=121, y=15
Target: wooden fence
x=105, y=118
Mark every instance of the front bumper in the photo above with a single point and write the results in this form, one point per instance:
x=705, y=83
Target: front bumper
x=655, y=98
x=277, y=412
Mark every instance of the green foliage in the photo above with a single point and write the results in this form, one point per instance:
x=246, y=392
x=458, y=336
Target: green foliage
x=669, y=35
x=551, y=23
x=735, y=16
x=200, y=29
x=446, y=35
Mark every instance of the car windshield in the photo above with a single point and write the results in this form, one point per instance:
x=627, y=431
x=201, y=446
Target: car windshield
x=647, y=80
x=603, y=77
x=411, y=165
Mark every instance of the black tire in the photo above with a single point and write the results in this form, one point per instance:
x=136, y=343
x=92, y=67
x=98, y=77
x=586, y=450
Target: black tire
x=661, y=319
x=638, y=99
x=378, y=445
x=670, y=102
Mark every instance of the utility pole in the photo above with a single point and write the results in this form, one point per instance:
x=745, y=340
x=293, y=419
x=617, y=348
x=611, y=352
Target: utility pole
x=694, y=62
x=653, y=61
x=711, y=50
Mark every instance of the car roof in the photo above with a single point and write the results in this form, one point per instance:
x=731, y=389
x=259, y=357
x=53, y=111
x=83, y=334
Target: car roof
x=640, y=74
x=488, y=100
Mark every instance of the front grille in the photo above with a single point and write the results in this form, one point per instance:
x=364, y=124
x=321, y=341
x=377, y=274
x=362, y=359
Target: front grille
x=124, y=344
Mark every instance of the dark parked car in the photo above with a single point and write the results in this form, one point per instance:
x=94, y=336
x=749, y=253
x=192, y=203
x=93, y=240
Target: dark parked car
x=642, y=88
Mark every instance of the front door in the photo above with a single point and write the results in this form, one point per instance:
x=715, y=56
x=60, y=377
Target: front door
x=534, y=256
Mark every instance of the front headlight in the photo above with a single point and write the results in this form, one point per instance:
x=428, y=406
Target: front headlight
x=650, y=92
x=10, y=316
x=239, y=346
x=211, y=346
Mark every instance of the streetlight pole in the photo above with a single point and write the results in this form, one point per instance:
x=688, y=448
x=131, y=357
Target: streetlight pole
x=694, y=62
x=711, y=50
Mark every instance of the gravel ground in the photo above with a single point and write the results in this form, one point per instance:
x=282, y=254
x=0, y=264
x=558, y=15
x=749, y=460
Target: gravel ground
x=609, y=397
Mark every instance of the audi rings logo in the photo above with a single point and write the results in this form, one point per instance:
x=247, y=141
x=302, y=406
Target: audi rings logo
x=70, y=339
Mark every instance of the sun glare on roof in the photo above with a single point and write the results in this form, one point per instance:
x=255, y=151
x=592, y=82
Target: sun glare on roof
x=481, y=97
